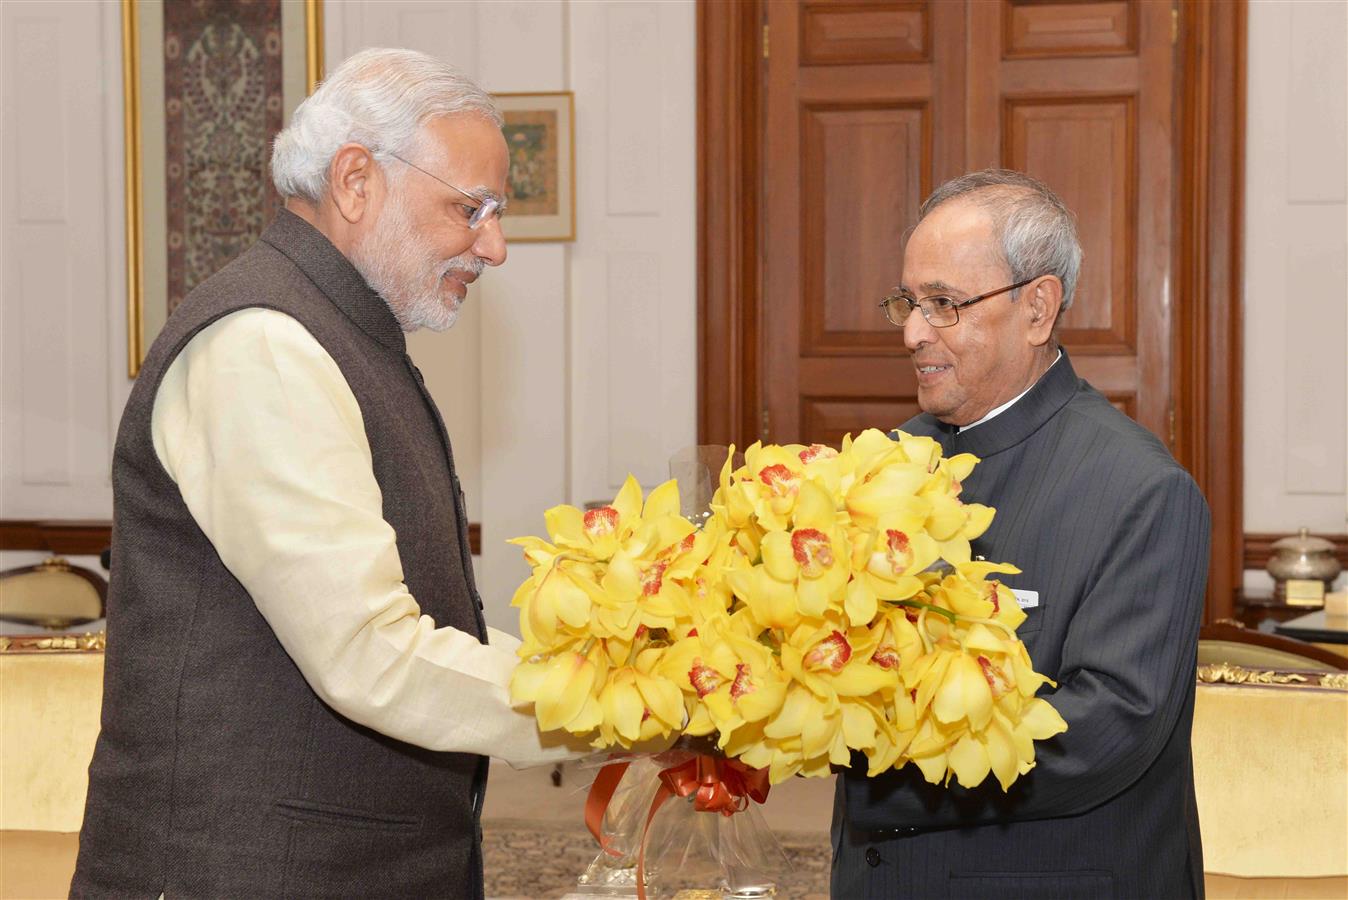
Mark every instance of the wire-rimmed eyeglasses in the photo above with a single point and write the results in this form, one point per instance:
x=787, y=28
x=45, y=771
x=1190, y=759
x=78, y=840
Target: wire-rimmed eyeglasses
x=485, y=206
x=939, y=311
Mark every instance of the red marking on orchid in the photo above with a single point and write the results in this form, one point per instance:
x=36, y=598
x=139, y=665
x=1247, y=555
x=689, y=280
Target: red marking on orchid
x=601, y=521
x=812, y=550
x=995, y=677
x=817, y=451
x=743, y=683
x=704, y=679
x=885, y=656
x=779, y=478
x=898, y=550
x=653, y=578
x=831, y=653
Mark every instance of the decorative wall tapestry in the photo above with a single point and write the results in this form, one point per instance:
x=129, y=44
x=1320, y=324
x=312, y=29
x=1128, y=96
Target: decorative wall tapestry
x=208, y=85
x=539, y=131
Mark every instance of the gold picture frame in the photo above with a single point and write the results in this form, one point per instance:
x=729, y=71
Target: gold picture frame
x=145, y=119
x=540, y=132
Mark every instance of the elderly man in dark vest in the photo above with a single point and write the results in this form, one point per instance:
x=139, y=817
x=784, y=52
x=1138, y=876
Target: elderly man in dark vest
x=301, y=691
x=1111, y=536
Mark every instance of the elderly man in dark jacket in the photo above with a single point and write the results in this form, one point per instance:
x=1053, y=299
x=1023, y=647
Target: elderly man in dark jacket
x=1112, y=538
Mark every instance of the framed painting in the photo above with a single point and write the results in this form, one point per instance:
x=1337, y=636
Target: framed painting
x=540, y=132
x=207, y=86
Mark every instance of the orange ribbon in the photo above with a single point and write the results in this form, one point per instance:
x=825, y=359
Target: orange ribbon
x=716, y=785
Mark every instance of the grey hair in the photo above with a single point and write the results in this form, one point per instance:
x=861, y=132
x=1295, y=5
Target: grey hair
x=1038, y=232
x=379, y=98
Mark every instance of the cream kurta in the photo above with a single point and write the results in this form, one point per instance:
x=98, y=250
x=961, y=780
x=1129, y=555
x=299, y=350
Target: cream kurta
x=257, y=427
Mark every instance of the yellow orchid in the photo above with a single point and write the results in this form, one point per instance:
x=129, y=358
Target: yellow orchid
x=556, y=597
x=729, y=502
x=829, y=679
x=562, y=690
x=699, y=668
x=771, y=480
x=829, y=604
x=638, y=705
x=751, y=683
x=811, y=557
x=826, y=466
x=890, y=560
x=596, y=533
x=892, y=488
x=866, y=453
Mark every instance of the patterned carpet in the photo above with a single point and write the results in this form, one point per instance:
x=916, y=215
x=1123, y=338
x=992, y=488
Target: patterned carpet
x=540, y=861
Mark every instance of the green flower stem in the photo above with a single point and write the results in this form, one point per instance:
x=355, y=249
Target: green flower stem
x=918, y=604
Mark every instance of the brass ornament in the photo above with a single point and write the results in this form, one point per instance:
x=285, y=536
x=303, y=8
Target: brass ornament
x=59, y=643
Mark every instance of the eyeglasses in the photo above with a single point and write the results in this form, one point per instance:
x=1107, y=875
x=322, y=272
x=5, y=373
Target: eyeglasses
x=939, y=311
x=486, y=206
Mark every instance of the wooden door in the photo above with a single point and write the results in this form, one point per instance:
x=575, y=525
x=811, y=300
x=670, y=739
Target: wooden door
x=869, y=105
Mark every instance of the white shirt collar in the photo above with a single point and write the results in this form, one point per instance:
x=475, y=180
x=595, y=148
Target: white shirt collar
x=1010, y=403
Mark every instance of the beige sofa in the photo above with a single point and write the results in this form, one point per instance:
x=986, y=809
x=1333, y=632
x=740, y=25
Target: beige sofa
x=1270, y=754
x=49, y=719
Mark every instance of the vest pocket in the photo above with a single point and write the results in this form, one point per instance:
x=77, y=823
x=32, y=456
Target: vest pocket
x=344, y=817
x=1040, y=885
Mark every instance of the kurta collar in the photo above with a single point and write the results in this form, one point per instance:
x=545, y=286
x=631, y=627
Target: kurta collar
x=334, y=275
x=1049, y=394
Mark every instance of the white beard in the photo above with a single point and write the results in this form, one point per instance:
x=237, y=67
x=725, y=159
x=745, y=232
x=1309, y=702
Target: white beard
x=403, y=270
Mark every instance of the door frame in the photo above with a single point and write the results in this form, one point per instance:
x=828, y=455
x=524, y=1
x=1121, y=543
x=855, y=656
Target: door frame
x=1207, y=351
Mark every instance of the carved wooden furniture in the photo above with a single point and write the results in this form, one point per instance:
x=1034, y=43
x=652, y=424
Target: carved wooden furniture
x=1232, y=643
x=53, y=594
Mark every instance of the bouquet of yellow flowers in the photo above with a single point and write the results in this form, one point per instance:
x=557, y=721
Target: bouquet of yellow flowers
x=828, y=604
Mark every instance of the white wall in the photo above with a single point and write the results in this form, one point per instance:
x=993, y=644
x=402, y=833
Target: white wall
x=62, y=257
x=571, y=365
x=1296, y=269
x=575, y=363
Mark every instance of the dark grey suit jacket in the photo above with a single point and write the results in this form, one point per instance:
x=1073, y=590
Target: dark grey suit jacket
x=1113, y=534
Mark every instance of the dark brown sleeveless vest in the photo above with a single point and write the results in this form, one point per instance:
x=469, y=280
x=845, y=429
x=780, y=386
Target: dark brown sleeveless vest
x=219, y=772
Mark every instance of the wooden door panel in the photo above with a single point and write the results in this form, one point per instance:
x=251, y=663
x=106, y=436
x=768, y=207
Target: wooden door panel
x=1066, y=75
x=824, y=420
x=853, y=34
x=864, y=114
x=1036, y=28
x=1093, y=120
x=1050, y=138
x=976, y=56
x=863, y=176
x=891, y=376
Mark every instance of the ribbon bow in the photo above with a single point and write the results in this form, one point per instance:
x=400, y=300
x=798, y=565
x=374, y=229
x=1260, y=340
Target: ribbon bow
x=716, y=785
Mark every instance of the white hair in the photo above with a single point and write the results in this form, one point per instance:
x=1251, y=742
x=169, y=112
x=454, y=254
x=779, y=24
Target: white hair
x=1038, y=232
x=378, y=98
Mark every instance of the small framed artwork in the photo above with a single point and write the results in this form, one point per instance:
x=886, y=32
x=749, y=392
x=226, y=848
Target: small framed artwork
x=540, y=133
x=207, y=85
